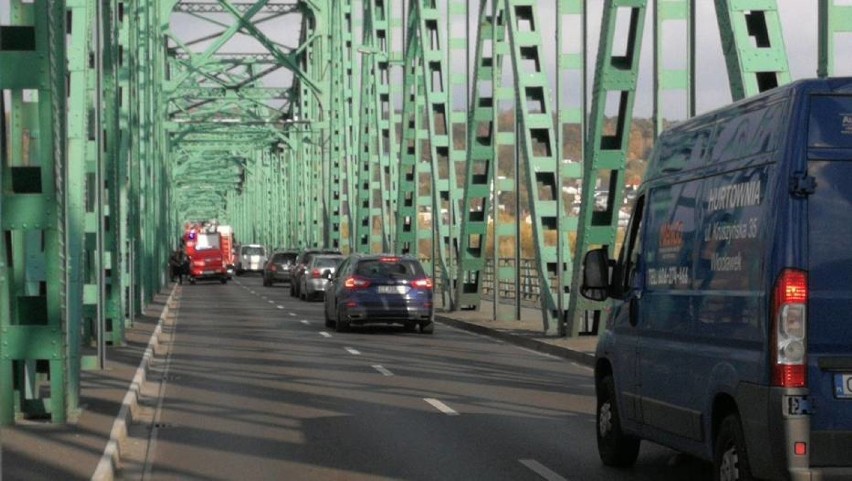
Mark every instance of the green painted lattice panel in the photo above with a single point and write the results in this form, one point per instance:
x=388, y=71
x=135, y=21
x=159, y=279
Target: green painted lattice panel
x=34, y=320
x=606, y=150
x=753, y=46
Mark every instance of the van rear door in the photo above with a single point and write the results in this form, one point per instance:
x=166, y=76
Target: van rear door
x=830, y=279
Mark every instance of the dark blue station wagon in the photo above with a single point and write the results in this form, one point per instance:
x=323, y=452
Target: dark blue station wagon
x=379, y=289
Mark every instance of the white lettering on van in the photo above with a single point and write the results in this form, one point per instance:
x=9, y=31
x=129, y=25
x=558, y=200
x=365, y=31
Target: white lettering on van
x=726, y=263
x=741, y=194
x=668, y=275
x=846, y=127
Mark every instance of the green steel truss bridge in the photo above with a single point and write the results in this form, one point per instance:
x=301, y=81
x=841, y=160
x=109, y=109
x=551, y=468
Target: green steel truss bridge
x=440, y=129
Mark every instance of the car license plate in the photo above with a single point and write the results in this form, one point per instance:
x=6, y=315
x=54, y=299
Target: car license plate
x=843, y=385
x=209, y=273
x=392, y=289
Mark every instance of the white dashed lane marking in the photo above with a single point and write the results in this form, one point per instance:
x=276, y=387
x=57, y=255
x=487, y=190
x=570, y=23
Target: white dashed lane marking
x=305, y=322
x=541, y=470
x=324, y=334
x=382, y=370
x=441, y=407
x=353, y=351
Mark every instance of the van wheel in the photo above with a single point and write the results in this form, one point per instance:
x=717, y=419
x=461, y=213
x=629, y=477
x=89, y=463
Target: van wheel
x=730, y=462
x=614, y=447
x=427, y=327
x=223, y=280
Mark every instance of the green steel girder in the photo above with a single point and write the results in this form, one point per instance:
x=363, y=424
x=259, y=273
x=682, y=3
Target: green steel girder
x=834, y=19
x=753, y=46
x=538, y=148
x=232, y=93
x=114, y=282
x=412, y=198
x=342, y=133
x=445, y=190
x=673, y=80
x=376, y=176
x=243, y=19
x=484, y=145
x=606, y=150
x=34, y=323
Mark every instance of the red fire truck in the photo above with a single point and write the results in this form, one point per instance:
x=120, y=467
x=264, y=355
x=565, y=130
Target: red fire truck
x=204, y=249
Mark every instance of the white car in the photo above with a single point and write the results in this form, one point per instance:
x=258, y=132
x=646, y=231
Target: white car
x=251, y=258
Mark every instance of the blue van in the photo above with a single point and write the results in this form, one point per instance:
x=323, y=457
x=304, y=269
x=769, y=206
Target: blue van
x=730, y=330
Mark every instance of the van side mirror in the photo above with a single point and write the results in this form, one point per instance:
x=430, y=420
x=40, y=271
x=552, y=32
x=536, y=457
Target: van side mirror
x=596, y=275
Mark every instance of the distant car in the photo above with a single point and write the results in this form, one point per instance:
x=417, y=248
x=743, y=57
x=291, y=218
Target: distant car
x=298, y=269
x=251, y=258
x=380, y=289
x=317, y=274
x=277, y=268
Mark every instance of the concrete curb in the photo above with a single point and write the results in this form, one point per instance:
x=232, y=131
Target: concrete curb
x=111, y=458
x=583, y=358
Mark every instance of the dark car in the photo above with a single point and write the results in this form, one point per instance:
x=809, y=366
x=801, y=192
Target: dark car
x=298, y=269
x=379, y=289
x=277, y=269
x=315, y=280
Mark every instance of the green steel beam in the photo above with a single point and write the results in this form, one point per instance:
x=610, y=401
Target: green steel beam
x=677, y=18
x=834, y=19
x=375, y=135
x=607, y=144
x=536, y=129
x=35, y=355
x=753, y=46
x=570, y=102
x=484, y=145
x=341, y=131
x=413, y=200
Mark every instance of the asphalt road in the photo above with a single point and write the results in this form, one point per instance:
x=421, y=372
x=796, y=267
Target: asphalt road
x=256, y=387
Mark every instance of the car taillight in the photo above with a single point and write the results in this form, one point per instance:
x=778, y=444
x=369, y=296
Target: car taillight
x=355, y=282
x=316, y=274
x=789, y=329
x=425, y=283
x=273, y=268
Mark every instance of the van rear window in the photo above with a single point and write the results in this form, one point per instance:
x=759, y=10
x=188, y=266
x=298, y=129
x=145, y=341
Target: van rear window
x=830, y=123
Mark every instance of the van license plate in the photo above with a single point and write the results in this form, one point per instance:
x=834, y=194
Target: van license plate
x=391, y=289
x=843, y=385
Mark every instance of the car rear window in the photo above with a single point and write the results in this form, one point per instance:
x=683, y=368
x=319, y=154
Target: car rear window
x=327, y=261
x=284, y=258
x=393, y=268
x=252, y=251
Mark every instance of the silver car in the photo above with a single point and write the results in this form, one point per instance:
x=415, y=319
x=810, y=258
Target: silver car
x=317, y=273
x=251, y=258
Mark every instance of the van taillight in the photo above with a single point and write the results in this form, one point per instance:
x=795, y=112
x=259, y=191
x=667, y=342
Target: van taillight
x=789, y=329
x=316, y=274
